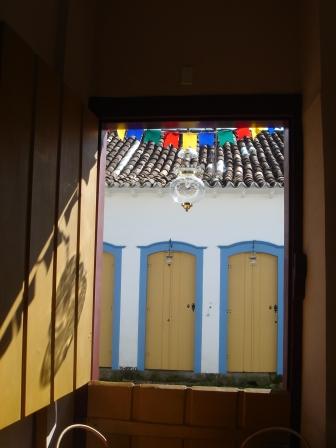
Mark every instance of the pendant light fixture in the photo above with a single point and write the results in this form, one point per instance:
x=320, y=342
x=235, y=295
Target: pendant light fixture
x=187, y=188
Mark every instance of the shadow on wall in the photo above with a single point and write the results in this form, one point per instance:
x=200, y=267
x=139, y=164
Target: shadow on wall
x=65, y=312
x=12, y=321
x=11, y=311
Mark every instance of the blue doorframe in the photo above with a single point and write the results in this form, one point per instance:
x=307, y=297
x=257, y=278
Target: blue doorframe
x=225, y=253
x=116, y=251
x=175, y=246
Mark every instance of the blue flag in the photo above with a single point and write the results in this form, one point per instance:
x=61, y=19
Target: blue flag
x=271, y=130
x=206, y=138
x=137, y=133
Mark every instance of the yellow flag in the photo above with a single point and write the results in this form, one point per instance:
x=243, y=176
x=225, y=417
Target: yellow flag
x=255, y=132
x=121, y=133
x=189, y=140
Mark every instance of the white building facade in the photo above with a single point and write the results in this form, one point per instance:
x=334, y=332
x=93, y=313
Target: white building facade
x=139, y=221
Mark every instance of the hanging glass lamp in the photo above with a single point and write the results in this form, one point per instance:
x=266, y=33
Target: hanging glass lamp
x=187, y=188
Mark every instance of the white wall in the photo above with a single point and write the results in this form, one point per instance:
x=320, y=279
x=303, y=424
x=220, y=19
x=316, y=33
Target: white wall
x=226, y=216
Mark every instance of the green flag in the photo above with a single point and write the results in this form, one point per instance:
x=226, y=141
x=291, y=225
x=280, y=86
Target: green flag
x=152, y=135
x=225, y=135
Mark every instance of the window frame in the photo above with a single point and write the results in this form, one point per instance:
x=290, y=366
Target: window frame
x=233, y=110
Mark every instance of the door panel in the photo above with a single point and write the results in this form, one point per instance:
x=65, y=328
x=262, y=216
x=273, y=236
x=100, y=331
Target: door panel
x=236, y=312
x=170, y=321
x=252, y=321
x=181, y=352
x=106, y=311
x=158, y=312
x=266, y=284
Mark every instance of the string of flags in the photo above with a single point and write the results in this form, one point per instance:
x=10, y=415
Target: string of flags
x=190, y=139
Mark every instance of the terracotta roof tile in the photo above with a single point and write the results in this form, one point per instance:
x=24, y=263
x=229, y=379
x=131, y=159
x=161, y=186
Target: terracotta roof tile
x=250, y=162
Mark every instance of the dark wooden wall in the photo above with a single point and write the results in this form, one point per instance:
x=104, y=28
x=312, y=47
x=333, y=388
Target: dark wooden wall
x=48, y=191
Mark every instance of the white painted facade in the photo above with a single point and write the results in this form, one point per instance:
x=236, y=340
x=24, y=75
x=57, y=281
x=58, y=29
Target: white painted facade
x=225, y=216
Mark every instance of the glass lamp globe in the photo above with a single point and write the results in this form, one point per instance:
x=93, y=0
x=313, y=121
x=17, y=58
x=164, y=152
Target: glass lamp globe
x=187, y=188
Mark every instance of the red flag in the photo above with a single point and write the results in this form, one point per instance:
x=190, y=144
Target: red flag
x=243, y=132
x=171, y=138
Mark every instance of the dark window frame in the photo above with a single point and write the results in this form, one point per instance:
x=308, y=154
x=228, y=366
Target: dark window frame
x=233, y=110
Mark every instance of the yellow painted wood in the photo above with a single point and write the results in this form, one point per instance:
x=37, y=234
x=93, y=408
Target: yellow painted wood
x=67, y=249
x=106, y=311
x=236, y=312
x=41, y=259
x=16, y=102
x=264, y=330
x=249, y=316
x=157, y=310
x=170, y=322
x=252, y=327
x=87, y=249
x=183, y=295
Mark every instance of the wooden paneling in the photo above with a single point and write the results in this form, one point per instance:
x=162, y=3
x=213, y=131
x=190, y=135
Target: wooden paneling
x=170, y=316
x=16, y=117
x=48, y=149
x=67, y=247
x=86, y=248
x=106, y=311
x=39, y=330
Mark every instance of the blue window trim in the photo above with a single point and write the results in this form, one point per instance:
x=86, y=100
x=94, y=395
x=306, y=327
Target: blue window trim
x=176, y=246
x=225, y=253
x=116, y=251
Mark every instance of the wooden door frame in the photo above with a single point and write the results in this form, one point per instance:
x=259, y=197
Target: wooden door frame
x=176, y=246
x=249, y=247
x=233, y=110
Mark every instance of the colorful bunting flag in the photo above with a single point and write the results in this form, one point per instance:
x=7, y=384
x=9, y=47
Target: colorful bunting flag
x=225, y=135
x=255, y=132
x=121, y=133
x=243, y=132
x=206, y=138
x=137, y=133
x=271, y=130
x=171, y=138
x=189, y=140
x=152, y=135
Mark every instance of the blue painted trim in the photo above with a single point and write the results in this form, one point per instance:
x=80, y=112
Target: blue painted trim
x=116, y=251
x=176, y=246
x=225, y=253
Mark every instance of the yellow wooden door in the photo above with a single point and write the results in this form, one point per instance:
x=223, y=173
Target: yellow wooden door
x=170, y=312
x=252, y=320
x=106, y=311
